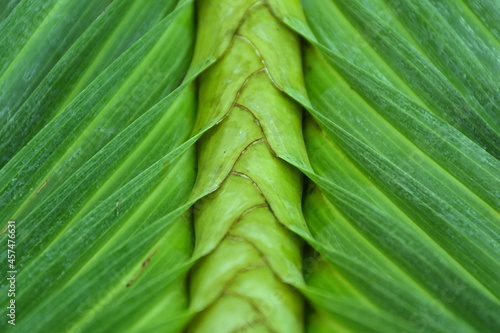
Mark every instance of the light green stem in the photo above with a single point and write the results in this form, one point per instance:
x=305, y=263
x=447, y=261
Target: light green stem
x=250, y=262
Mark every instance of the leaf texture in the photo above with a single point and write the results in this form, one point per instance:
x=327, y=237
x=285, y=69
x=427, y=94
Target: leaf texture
x=251, y=166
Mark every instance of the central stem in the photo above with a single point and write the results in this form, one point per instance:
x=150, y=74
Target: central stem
x=250, y=262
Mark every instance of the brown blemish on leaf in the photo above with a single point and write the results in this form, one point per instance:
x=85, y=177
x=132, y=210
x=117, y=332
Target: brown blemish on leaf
x=41, y=187
x=143, y=266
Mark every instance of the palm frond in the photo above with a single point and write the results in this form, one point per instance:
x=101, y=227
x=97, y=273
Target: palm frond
x=324, y=166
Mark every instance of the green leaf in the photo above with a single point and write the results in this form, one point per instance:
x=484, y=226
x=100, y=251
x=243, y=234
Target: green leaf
x=163, y=176
x=89, y=192
x=410, y=204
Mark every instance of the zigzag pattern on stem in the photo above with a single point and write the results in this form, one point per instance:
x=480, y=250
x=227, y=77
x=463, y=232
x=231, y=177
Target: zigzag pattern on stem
x=244, y=282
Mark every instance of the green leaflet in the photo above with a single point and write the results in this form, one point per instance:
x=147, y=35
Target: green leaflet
x=31, y=43
x=92, y=120
x=486, y=12
x=109, y=205
x=162, y=279
x=106, y=38
x=6, y=8
x=365, y=237
x=423, y=190
x=379, y=44
x=436, y=201
x=115, y=259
